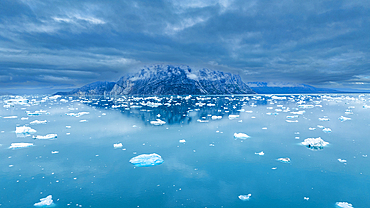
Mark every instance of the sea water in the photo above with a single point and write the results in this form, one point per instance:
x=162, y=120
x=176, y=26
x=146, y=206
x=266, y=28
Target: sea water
x=87, y=161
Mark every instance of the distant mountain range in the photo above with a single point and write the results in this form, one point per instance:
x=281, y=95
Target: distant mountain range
x=168, y=80
x=183, y=80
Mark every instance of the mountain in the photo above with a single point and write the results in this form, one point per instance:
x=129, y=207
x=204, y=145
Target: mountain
x=95, y=88
x=286, y=88
x=168, y=80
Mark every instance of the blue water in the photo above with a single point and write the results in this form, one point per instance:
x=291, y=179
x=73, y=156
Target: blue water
x=211, y=169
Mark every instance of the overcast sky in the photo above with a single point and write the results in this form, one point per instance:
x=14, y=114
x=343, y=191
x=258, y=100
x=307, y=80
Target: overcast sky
x=47, y=46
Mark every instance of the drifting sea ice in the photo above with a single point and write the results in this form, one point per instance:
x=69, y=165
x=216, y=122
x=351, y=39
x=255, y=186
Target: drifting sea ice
x=48, y=136
x=119, y=145
x=19, y=145
x=342, y=161
x=147, y=160
x=233, y=117
x=182, y=141
x=240, y=136
x=292, y=121
x=244, y=197
x=284, y=160
x=158, y=122
x=343, y=205
x=45, y=202
x=259, y=153
x=342, y=118
x=314, y=143
x=326, y=130
x=24, y=130
x=38, y=122
x=216, y=117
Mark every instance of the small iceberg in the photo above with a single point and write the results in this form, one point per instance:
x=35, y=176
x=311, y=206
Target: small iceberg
x=231, y=117
x=24, y=130
x=54, y=152
x=48, y=136
x=38, y=122
x=45, y=202
x=240, y=136
x=20, y=145
x=284, y=160
x=343, y=205
x=158, y=122
x=216, y=117
x=324, y=119
x=259, y=153
x=327, y=130
x=182, y=141
x=342, y=161
x=147, y=160
x=314, y=143
x=119, y=145
x=342, y=118
x=244, y=197
x=292, y=121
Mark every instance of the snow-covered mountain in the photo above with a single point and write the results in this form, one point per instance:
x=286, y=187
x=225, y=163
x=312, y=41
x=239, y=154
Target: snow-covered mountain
x=170, y=80
x=286, y=88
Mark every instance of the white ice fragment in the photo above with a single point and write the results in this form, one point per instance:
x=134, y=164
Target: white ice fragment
x=274, y=168
x=118, y=145
x=324, y=119
x=45, y=202
x=83, y=121
x=24, y=130
x=182, y=141
x=233, y=117
x=19, y=145
x=264, y=128
x=292, y=121
x=241, y=136
x=311, y=128
x=211, y=145
x=68, y=127
x=284, y=160
x=244, y=197
x=342, y=118
x=314, y=143
x=48, y=136
x=319, y=126
x=298, y=112
x=326, y=130
x=342, y=161
x=38, y=122
x=306, y=106
x=158, y=122
x=306, y=198
x=24, y=118
x=147, y=160
x=54, y=152
x=259, y=153
x=10, y=117
x=216, y=117
x=343, y=205
x=202, y=121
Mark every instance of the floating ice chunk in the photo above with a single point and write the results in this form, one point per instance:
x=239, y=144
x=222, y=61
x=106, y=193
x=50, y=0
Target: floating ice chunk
x=45, y=202
x=216, y=117
x=342, y=161
x=292, y=121
x=364, y=155
x=319, y=126
x=147, y=160
x=326, y=130
x=24, y=130
x=10, y=117
x=259, y=153
x=366, y=106
x=284, y=160
x=158, y=122
x=324, y=119
x=24, y=118
x=274, y=168
x=233, y=117
x=48, y=136
x=119, y=145
x=306, y=106
x=68, y=127
x=244, y=197
x=311, y=128
x=182, y=141
x=83, y=121
x=36, y=113
x=211, y=145
x=298, y=112
x=19, y=145
x=342, y=118
x=290, y=117
x=202, y=121
x=306, y=198
x=343, y=205
x=38, y=122
x=54, y=152
x=241, y=136
x=264, y=128
x=314, y=143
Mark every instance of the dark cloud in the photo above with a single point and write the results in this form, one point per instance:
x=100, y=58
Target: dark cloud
x=65, y=44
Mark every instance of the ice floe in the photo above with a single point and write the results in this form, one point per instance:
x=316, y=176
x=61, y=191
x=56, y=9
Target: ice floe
x=241, y=136
x=314, y=143
x=118, y=145
x=326, y=130
x=20, y=145
x=158, y=122
x=54, y=152
x=147, y=160
x=306, y=198
x=10, y=117
x=284, y=160
x=24, y=130
x=48, y=136
x=342, y=161
x=292, y=121
x=182, y=141
x=259, y=153
x=233, y=117
x=38, y=122
x=343, y=205
x=245, y=197
x=324, y=119
x=342, y=118
x=216, y=117
x=45, y=202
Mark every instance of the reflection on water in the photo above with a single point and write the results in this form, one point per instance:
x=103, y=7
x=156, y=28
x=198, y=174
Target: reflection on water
x=217, y=151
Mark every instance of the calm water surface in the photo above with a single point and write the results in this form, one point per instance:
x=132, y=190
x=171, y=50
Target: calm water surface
x=211, y=169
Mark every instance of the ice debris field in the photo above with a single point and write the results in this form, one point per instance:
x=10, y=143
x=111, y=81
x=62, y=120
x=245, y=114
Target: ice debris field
x=185, y=151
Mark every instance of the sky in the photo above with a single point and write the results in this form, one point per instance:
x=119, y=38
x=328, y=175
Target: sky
x=50, y=45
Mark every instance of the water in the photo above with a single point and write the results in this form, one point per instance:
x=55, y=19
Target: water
x=211, y=169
